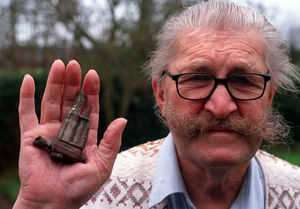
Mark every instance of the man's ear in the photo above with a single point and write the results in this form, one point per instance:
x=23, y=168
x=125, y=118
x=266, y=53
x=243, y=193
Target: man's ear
x=158, y=89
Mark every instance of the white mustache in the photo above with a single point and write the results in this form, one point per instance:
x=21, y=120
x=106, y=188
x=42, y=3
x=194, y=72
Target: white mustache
x=240, y=125
x=271, y=127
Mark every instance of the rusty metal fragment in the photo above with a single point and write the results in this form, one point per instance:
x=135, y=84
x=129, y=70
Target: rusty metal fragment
x=72, y=136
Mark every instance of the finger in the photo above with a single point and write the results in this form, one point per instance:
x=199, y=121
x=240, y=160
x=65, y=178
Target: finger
x=27, y=115
x=91, y=87
x=71, y=86
x=51, y=102
x=110, y=144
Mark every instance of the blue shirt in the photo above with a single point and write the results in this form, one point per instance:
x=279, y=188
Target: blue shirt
x=168, y=183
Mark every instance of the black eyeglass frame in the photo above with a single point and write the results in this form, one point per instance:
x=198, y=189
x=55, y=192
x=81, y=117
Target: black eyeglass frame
x=175, y=77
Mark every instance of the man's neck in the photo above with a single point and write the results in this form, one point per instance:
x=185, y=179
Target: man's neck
x=212, y=187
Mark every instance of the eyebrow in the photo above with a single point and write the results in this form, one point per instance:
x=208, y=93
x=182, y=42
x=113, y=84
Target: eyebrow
x=242, y=67
x=197, y=65
x=204, y=65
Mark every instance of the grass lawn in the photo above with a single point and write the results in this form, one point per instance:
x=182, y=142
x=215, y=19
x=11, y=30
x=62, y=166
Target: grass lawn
x=289, y=153
x=292, y=157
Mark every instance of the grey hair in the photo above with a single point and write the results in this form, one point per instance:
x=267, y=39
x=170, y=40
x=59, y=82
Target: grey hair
x=225, y=15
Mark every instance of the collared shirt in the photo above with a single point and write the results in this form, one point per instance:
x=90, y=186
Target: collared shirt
x=168, y=183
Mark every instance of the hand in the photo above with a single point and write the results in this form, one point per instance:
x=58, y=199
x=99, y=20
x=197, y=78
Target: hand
x=48, y=184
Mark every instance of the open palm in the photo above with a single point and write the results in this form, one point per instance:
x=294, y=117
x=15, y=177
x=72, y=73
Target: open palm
x=48, y=184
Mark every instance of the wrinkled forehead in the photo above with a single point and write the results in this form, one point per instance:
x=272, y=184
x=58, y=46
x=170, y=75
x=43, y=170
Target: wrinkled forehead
x=219, y=45
x=219, y=39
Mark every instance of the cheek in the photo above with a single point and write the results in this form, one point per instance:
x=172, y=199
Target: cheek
x=173, y=99
x=254, y=110
x=183, y=105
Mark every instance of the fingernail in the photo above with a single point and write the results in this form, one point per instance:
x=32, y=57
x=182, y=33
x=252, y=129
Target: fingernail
x=27, y=76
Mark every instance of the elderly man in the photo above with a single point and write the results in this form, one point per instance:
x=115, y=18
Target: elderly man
x=214, y=74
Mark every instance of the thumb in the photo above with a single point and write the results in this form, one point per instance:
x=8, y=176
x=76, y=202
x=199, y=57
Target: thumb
x=111, y=142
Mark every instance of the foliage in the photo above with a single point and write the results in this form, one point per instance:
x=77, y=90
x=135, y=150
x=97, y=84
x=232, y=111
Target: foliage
x=288, y=106
x=293, y=158
x=290, y=153
x=114, y=45
x=10, y=184
x=98, y=35
x=9, y=94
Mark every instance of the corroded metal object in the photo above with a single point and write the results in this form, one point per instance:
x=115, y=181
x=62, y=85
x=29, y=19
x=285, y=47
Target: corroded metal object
x=72, y=136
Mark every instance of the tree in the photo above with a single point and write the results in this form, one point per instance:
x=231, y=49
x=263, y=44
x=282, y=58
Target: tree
x=122, y=48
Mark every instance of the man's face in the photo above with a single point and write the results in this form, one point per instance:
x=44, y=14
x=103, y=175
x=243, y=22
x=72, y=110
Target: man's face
x=218, y=131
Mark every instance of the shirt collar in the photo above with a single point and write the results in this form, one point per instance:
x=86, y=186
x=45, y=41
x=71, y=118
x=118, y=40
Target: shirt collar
x=252, y=192
x=168, y=180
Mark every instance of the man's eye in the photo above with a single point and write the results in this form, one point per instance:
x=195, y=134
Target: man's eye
x=240, y=80
x=201, y=78
x=196, y=78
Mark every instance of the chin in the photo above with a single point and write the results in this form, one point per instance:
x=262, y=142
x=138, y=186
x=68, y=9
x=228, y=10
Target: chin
x=218, y=149
x=227, y=160
x=221, y=157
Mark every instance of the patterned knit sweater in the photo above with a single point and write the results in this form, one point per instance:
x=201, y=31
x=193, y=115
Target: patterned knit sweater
x=130, y=183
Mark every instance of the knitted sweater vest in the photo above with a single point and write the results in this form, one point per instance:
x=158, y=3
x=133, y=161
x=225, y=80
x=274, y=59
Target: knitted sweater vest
x=130, y=183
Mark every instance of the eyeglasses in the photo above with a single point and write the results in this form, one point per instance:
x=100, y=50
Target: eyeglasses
x=201, y=85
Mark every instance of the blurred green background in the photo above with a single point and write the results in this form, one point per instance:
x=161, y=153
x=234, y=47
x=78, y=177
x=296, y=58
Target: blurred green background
x=114, y=37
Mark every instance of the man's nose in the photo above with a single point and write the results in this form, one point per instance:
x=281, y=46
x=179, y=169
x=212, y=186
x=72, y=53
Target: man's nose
x=220, y=103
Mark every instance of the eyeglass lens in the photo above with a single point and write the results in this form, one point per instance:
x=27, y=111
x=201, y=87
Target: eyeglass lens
x=242, y=86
